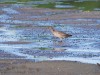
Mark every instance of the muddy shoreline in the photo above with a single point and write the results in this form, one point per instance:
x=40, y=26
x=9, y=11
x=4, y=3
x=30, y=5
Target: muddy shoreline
x=23, y=67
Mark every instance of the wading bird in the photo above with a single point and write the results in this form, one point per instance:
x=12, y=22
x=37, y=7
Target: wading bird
x=59, y=34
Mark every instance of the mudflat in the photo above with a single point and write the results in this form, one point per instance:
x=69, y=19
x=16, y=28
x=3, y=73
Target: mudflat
x=24, y=19
x=23, y=67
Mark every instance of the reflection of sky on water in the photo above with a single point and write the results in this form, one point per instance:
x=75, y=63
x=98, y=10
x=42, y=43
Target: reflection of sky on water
x=10, y=11
x=64, y=6
x=83, y=46
x=16, y=21
x=75, y=48
x=3, y=16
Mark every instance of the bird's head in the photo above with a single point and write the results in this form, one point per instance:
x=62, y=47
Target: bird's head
x=51, y=28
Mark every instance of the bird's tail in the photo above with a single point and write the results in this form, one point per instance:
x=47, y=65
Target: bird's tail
x=68, y=35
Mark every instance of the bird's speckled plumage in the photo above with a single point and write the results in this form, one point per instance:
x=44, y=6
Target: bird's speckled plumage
x=59, y=34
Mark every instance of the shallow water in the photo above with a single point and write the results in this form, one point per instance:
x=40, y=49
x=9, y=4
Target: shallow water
x=25, y=35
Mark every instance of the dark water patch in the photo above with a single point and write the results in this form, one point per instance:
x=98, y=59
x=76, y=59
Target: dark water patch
x=54, y=53
x=1, y=32
x=4, y=16
x=15, y=42
x=6, y=55
x=29, y=27
x=96, y=45
x=22, y=26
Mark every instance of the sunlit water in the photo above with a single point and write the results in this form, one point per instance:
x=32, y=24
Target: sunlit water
x=36, y=42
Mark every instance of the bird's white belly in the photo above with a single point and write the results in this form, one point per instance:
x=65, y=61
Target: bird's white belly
x=57, y=34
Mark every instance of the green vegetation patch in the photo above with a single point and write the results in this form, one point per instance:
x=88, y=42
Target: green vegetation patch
x=43, y=48
x=49, y=5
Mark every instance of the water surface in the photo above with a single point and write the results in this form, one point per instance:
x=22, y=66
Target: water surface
x=24, y=33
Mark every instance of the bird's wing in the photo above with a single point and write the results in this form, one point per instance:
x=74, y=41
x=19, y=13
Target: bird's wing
x=61, y=33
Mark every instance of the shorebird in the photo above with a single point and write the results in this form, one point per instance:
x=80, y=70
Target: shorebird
x=59, y=34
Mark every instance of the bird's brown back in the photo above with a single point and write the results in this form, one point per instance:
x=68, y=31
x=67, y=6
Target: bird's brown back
x=59, y=34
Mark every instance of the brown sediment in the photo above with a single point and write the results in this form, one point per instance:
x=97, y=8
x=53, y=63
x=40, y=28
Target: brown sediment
x=22, y=67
